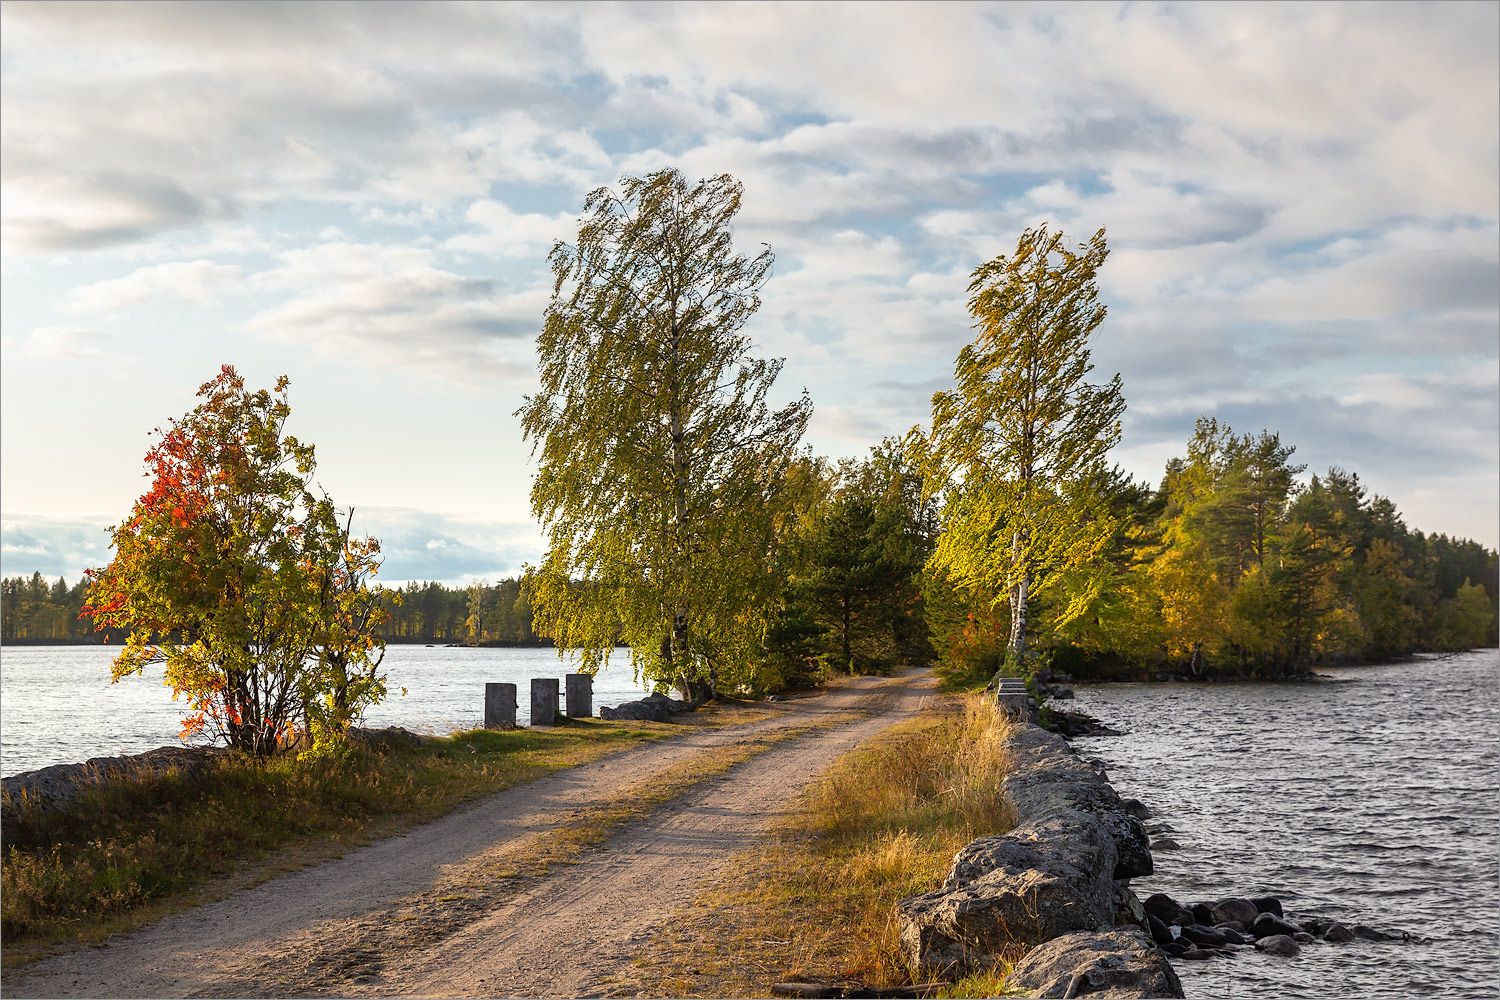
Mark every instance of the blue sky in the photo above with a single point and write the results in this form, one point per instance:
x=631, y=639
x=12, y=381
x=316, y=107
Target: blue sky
x=1301, y=203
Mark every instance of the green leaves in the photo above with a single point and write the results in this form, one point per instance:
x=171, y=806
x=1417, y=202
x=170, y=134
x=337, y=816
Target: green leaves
x=1017, y=447
x=235, y=576
x=662, y=469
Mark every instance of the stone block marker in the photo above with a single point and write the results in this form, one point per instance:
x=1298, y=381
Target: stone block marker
x=544, y=701
x=499, y=706
x=1013, y=700
x=580, y=696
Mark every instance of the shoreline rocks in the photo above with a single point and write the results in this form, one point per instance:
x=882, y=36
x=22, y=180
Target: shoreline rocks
x=59, y=786
x=652, y=708
x=1060, y=880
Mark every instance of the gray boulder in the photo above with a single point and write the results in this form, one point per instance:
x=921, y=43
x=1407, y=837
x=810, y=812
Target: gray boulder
x=1270, y=925
x=1234, y=909
x=1118, y=962
x=635, y=711
x=1338, y=933
x=60, y=786
x=1279, y=944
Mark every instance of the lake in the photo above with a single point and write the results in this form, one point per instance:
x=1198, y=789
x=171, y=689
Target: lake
x=57, y=705
x=1372, y=797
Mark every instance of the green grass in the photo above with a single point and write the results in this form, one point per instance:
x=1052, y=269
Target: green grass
x=131, y=851
x=818, y=900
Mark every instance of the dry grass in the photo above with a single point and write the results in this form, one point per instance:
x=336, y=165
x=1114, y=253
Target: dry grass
x=818, y=900
x=132, y=852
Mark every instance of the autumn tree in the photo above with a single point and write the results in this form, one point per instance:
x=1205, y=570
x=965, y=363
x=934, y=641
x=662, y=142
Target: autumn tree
x=1018, y=445
x=663, y=470
x=232, y=573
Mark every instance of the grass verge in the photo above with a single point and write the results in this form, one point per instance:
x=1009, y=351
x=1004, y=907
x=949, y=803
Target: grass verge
x=817, y=901
x=132, y=852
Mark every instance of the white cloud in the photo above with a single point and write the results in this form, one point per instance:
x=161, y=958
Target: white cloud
x=496, y=229
x=195, y=282
x=51, y=343
x=392, y=305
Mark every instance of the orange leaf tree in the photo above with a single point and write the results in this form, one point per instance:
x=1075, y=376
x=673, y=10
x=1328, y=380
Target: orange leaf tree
x=228, y=571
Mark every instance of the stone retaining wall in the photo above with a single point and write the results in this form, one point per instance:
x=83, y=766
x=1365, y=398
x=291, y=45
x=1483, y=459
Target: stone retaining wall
x=1061, y=875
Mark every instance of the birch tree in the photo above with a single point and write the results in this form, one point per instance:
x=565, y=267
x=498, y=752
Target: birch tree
x=1018, y=445
x=663, y=470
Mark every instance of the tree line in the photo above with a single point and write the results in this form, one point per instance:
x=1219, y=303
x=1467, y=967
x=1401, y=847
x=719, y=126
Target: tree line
x=686, y=521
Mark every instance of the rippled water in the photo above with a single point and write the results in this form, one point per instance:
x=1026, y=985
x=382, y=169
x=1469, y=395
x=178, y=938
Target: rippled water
x=1372, y=797
x=57, y=705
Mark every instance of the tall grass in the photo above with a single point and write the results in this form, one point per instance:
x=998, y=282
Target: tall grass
x=820, y=900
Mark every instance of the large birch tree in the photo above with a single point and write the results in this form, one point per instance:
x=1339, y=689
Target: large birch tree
x=1018, y=446
x=663, y=470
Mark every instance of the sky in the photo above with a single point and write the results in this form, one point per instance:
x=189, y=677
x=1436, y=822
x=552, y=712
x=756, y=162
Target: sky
x=1300, y=201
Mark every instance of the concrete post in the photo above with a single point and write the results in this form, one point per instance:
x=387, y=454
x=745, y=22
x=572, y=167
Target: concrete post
x=499, y=706
x=580, y=696
x=543, y=701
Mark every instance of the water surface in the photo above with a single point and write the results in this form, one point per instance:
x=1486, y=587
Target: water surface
x=1372, y=797
x=57, y=705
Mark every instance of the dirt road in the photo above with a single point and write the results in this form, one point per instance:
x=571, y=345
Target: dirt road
x=424, y=914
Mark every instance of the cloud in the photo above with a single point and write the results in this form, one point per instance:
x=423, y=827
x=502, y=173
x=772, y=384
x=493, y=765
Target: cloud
x=496, y=229
x=367, y=303
x=31, y=543
x=419, y=545
x=51, y=343
x=195, y=282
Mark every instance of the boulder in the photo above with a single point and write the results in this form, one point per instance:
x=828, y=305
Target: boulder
x=1177, y=948
x=1165, y=844
x=635, y=711
x=1159, y=932
x=1234, y=934
x=1338, y=933
x=1201, y=913
x=1278, y=944
x=1065, y=867
x=1136, y=808
x=1240, y=910
x=1118, y=962
x=1270, y=925
x=1267, y=904
x=1206, y=936
x=1371, y=934
x=1036, y=882
x=1314, y=925
x=1198, y=954
x=1302, y=937
x=1167, y=910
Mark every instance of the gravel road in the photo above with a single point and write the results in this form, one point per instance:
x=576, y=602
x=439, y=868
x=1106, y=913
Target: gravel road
x=420, y=914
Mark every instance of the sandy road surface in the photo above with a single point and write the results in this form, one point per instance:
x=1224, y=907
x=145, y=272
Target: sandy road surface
x=403, y=917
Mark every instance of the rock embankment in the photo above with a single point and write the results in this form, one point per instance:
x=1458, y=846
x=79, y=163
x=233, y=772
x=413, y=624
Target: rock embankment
x=1062, y=875
x=61, y=785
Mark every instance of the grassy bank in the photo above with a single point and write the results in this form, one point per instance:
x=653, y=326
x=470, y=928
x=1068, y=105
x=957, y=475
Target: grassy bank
x=818, y=900
x=132, y=852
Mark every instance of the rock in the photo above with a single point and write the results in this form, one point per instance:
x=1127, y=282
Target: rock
x=1159, y=932
x=1165, y=844
x=635, y=711
x=1302, y=937
x=1371, y=934
x=1313, y=925
x=1062, y=868
x=1234, y=934
x=1201, y=913
x=1234, y=909
x=1198, y=954
x=1177, y=948
x=1267, y=904
x=1062, y=692
x=1041, y=880
x=60, y=786
x=1136, y=808
x=1338, y=933
x=1201, y=935
x=389, y=736
x=1278, y=944
x=1270, y=925
x=1167, y=910
x=1119, y=962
